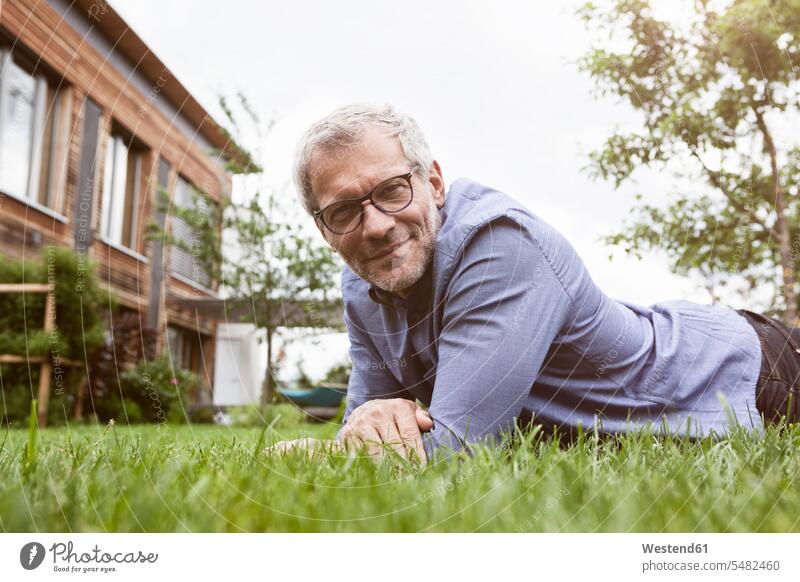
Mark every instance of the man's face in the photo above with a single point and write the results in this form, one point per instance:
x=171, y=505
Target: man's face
x=391, y=251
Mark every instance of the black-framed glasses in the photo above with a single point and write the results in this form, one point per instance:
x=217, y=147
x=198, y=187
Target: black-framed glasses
x=391, y=195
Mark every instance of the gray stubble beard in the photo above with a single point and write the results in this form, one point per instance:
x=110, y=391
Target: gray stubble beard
x=405, y=279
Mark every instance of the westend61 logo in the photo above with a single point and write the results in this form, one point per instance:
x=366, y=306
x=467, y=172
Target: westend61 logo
x=66, y=559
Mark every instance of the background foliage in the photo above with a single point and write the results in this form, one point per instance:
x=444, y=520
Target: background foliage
x=712, y=96
x=79, y=331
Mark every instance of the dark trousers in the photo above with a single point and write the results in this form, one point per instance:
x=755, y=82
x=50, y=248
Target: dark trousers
x=778, y=385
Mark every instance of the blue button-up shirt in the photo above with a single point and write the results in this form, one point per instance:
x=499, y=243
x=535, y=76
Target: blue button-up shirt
x=507, y=325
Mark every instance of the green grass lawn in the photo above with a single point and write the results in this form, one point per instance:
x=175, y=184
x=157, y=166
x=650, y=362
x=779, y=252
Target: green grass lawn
x=205, y=478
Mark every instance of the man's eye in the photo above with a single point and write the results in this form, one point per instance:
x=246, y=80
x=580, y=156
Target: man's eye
x=345, y=212
x=395, y=191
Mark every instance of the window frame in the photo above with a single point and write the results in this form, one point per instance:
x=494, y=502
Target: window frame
x=49, y=130
x=185, y=347
x=118, y=216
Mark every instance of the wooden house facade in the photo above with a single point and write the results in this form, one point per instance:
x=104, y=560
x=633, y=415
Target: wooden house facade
x=93, y=126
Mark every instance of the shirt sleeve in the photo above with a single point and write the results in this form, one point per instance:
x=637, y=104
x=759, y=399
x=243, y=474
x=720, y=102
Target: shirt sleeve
x=503, y=308
x=368, y=379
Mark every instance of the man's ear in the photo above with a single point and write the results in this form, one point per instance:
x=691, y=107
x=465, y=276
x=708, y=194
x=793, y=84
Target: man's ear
x=437, y=181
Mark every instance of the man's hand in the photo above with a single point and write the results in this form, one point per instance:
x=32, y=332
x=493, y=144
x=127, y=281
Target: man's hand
x=396, y=422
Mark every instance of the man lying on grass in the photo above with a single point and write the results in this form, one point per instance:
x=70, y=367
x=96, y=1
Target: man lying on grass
x=466, y=301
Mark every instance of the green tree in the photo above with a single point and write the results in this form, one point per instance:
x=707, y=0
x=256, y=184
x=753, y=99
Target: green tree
x=204, y=216
x=710, y=93
x=283, y=273
x=272, y=263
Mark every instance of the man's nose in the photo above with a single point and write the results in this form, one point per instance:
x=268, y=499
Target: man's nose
x=376, y=223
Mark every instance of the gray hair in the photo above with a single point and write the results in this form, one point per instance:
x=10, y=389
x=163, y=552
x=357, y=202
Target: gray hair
x=343, y=128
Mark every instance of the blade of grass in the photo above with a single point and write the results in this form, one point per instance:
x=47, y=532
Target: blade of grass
x=33, y=428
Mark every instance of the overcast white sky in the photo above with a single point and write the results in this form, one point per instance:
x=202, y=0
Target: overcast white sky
x=494, y=86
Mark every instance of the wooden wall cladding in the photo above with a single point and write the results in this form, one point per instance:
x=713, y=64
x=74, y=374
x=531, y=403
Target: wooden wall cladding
x=43, y=31
x=36, y=26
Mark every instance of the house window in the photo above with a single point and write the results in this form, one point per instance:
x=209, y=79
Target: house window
x=122, y=177
x=30, y=110
x=185, y=259
x=184, y=348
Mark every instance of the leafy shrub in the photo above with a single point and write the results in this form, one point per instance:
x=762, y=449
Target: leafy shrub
x=202, y=414
x=339, y=374
x=159, y=389
x=80, y=307
x=79, y=330
x=129, y=343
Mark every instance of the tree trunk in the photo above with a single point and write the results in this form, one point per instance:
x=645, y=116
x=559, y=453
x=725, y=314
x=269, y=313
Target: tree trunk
x=787, y=261
x=782, y=234
x=268, y=386
x=83, y=386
